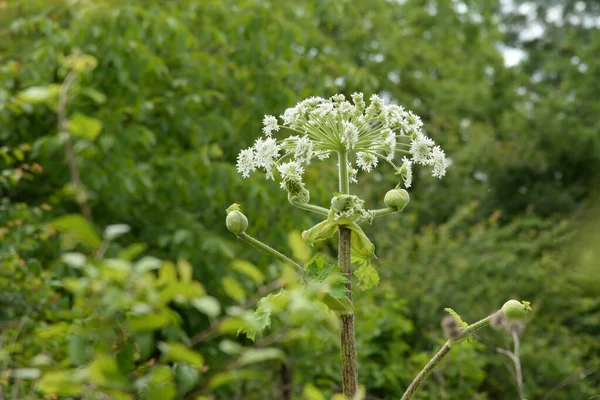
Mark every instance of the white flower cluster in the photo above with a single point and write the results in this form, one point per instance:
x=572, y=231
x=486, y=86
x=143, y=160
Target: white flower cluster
x=364, y=134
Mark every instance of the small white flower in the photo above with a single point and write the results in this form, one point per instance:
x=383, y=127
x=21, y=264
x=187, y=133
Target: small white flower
x=290, y=172
x=291, y=116
x=420, y=148
x=413, y=124
x=270, y=125
x=438, y=159
x=346, y=110
x=350, y=136
x=375, y=107
x=265, y=153
x=407, y=174
x=338, y=98
x=322, y=155
x=245, y=162
x=352, y=174
x=389, y=143
x=366, y=161
x=359, y=103
x=304, y=150
x=395, y=116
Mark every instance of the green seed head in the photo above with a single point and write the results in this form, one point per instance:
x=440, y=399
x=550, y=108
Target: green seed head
x=396, y=198
x=514, y=309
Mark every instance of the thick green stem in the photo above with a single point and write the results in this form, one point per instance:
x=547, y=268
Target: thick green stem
x=310, y=207
x=343, y=170
x=269, y=250
x=348, y=341
x=439, y=356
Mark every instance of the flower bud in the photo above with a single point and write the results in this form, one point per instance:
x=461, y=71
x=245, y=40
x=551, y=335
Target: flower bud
x=341, y=202
x=514, y=309
x=396, y=198
x=236, y=222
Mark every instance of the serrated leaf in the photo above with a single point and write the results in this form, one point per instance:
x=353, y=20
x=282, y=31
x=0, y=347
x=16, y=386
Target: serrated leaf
x=84, y=126
x=456, y=316
x=367, y=276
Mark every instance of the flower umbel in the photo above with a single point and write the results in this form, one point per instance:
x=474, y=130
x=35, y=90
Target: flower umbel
x=366, y=134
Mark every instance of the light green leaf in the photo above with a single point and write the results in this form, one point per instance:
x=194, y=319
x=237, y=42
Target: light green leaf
x=207, y=305
x=150, y=322
x=300, y=250
x=310, y=392
x=224, y=378
x=81, y=229
x=185, y=271
x=60, y=383
x=39, y=94
x=249, y=270
x=84, y=126
x=112, y=232
x=233, y=289
x=253, y=356
x=26, y=373
x=177, y=352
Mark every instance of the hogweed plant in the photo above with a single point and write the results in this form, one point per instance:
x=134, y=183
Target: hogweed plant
x=360, y=137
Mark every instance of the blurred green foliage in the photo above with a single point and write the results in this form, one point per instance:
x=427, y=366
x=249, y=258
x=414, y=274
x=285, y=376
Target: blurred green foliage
x=180, y=87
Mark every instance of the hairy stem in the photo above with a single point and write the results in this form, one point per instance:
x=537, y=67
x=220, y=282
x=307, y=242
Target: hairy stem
x=439, y=356
x=517, y=361
x=348, y=340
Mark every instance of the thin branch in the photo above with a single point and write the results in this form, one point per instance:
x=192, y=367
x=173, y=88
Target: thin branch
x=63, y=127
x=439, y=356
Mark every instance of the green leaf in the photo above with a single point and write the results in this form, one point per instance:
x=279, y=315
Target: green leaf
x=367, y=276
x=207, y=305
x=39, y=94
x=60, y=383
x=26, y=373
x=233, y=289
x=186, y=377
x=185, y=271
x=95, y=95
x=112, y=232
x=77, y=350
x=310, y=392
x=173, y=351
x=84, y=126
x=300, y=250
x=150, y=322
x=249, y=270
x=456, y=316
x=225, y=378
x=105, y=371
x=158, y=384
x=82, y=230
x=145, y=343
x=253, y=356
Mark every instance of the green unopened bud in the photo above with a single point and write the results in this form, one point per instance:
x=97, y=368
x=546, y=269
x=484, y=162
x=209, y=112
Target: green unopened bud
x=514, y=309
x=342, y=201
x=396, y=198
x=236, y=222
